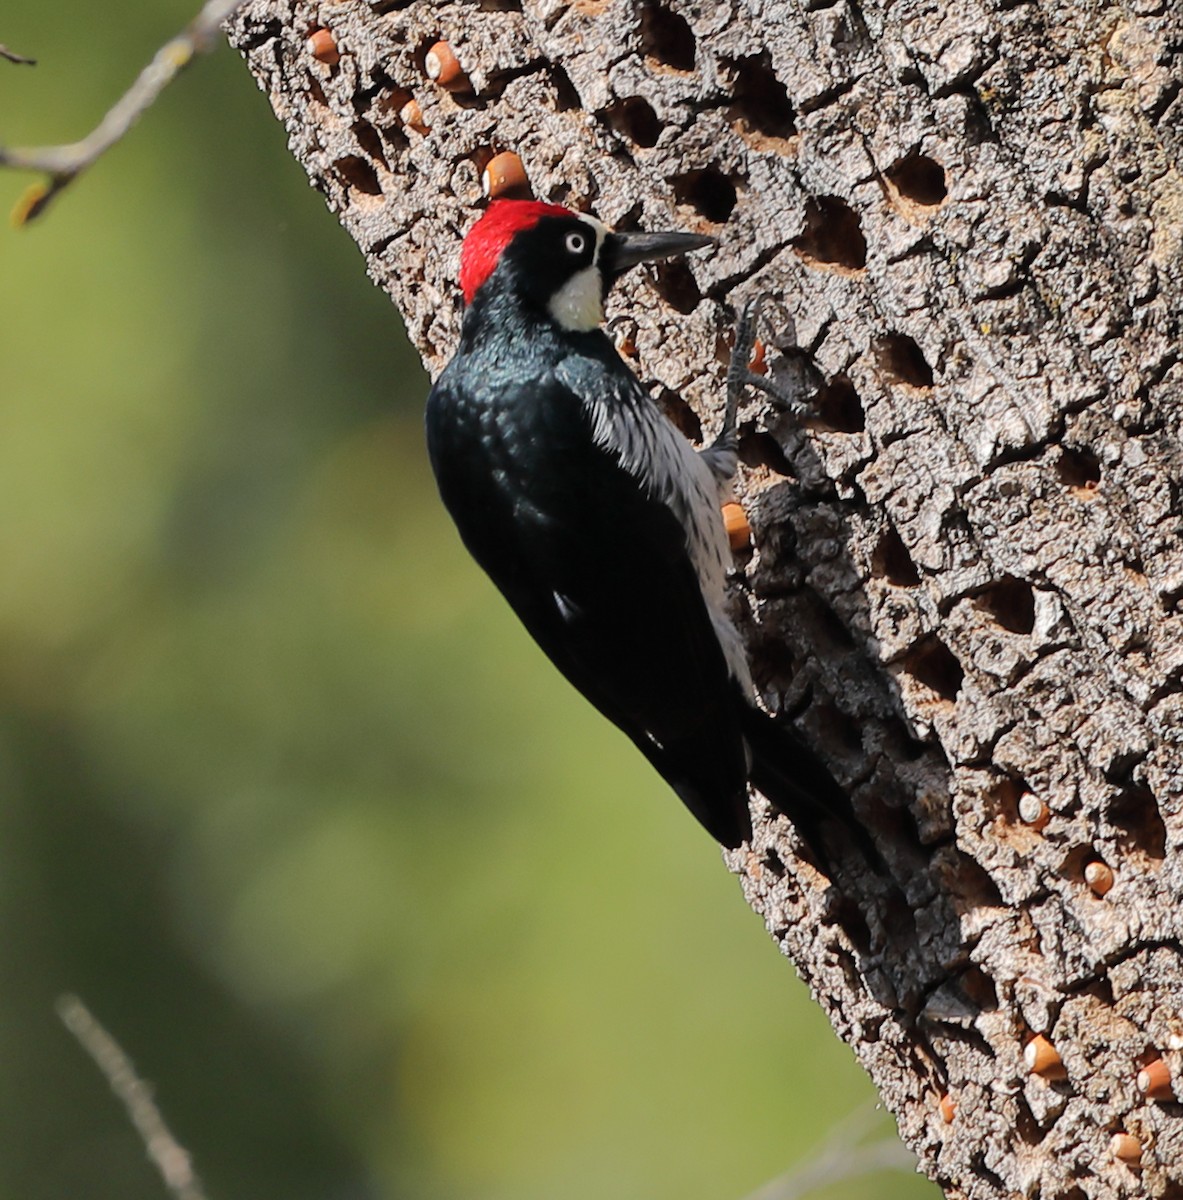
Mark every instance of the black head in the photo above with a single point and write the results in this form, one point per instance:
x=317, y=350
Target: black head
x=556, y=260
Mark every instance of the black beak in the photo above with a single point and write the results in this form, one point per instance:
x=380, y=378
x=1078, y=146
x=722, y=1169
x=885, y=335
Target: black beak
x=624, y=250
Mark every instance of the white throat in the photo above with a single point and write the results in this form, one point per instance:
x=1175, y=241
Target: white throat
x=578, y=305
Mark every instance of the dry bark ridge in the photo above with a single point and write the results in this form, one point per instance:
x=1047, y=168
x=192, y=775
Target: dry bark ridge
x=968, y=567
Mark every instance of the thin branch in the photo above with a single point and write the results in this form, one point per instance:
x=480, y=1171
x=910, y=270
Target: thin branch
x=839, y=1159
x=169, y=1156
x=13, y=57
x=65, y=163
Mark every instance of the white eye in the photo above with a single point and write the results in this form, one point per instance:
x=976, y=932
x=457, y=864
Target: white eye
x=576, y=243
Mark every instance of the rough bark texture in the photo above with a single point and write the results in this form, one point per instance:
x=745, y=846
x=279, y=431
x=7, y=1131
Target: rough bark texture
x=968, y=566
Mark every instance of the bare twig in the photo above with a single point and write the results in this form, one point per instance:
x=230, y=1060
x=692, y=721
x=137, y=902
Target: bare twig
x=65, y=163
x=13, y=57
x=841, y=1158
x=169, y=1156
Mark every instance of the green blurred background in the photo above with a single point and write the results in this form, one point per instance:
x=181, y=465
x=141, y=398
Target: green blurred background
x=377, y=903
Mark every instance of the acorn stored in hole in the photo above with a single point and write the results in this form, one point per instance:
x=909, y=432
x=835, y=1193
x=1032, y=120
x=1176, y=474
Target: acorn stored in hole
x=735, y=521
x=1043, y=1059
x=1033, y=812
x=1099, y=877
x=504, y=175
x=1126, y=1148
x=323, y=47
x=1154, y=1081
x=443, y=67
x=411, y=116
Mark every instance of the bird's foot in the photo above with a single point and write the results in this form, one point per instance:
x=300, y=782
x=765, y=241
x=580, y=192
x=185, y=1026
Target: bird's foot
x=740, y=374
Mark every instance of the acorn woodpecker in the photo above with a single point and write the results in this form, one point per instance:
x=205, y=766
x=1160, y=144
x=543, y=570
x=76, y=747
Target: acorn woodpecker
x=600, y=523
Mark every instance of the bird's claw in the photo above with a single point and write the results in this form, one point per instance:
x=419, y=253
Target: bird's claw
x=745, y=341
x=748, y=378
x=740, y=374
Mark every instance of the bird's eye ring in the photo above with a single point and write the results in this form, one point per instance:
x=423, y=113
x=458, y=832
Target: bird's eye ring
x=576, y=243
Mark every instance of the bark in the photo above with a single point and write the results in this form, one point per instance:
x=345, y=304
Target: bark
x=967, y=567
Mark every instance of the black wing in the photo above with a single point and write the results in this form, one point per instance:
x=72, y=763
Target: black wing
x=599, y=573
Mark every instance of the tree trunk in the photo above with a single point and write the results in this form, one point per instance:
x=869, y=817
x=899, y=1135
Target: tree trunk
x=967, y=567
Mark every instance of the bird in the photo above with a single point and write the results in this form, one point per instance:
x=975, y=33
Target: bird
x=601, y=524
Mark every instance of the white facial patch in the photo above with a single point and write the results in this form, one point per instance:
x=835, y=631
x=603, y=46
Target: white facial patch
x=579, y=304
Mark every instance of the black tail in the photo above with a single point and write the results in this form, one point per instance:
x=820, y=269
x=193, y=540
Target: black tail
x=798, y=784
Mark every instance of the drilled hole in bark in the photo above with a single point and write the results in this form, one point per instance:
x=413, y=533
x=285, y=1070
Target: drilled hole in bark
x=991, y=1178
x=680, y=413
x=898, y=917
x=709, y=192
x=838, y=728
x=480, y=158
x=635, y=120
x=1020, y=816
x=1135, y=814
x=974, y=888
x=891, y=560
x=1101, y=990
x=759, y=449
x=977, y=985
x=1004, y=798
x=902, y=361
x=500, y=5
x=566, y=97
x=893, y=824
x=370, y=141
x=920, y=179
x=316, y=91
x=853, y=923
x=838, y=406
x=387, y=108
x=911, y=749
x=774, y=661
x=1074, y=1194
x=1079, y=471
x=826, y=623
x=1010, y=603
x=358, y=173
x=666, y=38
x=1026, y=1126
x=932, y=664
x=832, y=237
x=1074, y=862
x=675, y=284
x=420, y=54
x=762, y=103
